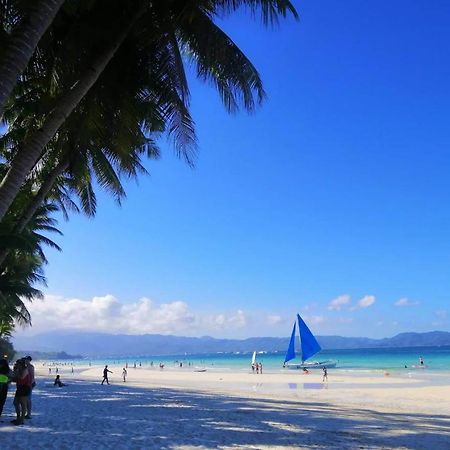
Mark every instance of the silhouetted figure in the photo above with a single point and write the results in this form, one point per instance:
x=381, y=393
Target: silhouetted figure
x=5, y=378
x=58, y=382
x=105, y=375
x=124, y=374
x=325, y=374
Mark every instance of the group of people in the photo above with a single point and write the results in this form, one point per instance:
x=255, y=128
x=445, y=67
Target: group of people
x=23, y=375
x=257, y=367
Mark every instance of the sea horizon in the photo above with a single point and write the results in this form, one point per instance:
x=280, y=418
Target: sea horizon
x=436, y=359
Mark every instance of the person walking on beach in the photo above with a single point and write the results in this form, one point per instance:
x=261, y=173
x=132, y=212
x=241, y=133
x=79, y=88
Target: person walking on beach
x=260, y=368
x=105, y=375
x=325, y=374
x=33, y=384
x=124, y=374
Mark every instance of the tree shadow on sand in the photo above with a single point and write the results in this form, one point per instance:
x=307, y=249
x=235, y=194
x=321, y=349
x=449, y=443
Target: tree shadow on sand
x=90, y=416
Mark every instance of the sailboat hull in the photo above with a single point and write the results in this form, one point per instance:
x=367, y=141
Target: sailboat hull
x=311, y=365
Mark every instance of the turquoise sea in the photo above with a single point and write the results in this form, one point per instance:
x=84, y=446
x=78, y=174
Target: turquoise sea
x=436, y=359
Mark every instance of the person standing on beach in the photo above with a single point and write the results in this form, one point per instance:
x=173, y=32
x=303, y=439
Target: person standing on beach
x=105, y=375
x=22, y=377
x=33, y=384
x=124, y=374
x=5, y=378
x=325, y=374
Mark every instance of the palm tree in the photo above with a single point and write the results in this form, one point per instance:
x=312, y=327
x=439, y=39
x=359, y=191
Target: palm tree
x=28, y=154
x=22, y=27
x=23, y=266
x=186, y=29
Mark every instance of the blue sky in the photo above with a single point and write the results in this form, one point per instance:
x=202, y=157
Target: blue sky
x=337, y=188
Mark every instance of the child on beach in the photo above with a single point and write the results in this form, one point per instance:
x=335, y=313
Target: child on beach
x=58, y=382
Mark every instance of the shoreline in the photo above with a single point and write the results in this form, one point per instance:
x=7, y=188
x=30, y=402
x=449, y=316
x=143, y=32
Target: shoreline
x=426, y=394
x=181, y=410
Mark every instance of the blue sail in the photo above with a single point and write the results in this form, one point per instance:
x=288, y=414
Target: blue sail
x=310, y=346
x=290, y=354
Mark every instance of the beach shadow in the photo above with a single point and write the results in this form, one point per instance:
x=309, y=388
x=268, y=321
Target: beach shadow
x=87, y=415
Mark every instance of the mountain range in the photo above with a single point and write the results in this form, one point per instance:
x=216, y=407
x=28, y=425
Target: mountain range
x=103, y=345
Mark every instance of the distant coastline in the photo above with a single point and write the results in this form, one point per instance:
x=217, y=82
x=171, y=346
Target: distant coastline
x=98, y=344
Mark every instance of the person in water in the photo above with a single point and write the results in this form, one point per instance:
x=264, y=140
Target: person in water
x=421, y=360
x=105, y=375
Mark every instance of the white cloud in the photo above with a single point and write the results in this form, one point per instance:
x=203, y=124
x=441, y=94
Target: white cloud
x=337, y=303
x=406, y=302
x=222, y=321
x=274, y=319
x=108, y=314
x=314, y=319
x=366, y=301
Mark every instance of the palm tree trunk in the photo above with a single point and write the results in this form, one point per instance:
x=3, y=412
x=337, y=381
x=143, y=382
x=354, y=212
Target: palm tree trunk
x=22, y=43
x=30, y=152
x=36, y=202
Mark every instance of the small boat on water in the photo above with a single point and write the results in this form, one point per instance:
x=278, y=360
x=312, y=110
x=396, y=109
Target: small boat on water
x=309, y=348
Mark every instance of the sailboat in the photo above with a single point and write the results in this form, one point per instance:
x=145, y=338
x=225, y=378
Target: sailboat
x=309, y=347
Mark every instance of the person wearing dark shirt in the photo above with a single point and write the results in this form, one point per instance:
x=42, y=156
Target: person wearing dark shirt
x=58, y=382
x=105, y=375
x=5, y=378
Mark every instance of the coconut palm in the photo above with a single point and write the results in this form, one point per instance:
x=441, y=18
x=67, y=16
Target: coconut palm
x=189, y=29
x=22, y=25
x=22, y=268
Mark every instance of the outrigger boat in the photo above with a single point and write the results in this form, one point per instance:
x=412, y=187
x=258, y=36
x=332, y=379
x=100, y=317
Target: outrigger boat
x=309, y=347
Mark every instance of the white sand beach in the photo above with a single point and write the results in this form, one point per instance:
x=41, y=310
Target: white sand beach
x=184, y=409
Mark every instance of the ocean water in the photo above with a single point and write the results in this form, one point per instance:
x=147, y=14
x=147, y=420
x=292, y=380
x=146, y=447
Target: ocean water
x=436, y=359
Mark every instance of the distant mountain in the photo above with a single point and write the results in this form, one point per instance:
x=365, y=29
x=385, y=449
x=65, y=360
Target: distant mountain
x=98, y=344
x=47, y=355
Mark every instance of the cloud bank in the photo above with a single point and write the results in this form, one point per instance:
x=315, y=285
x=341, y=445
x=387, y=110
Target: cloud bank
x=108, y=314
